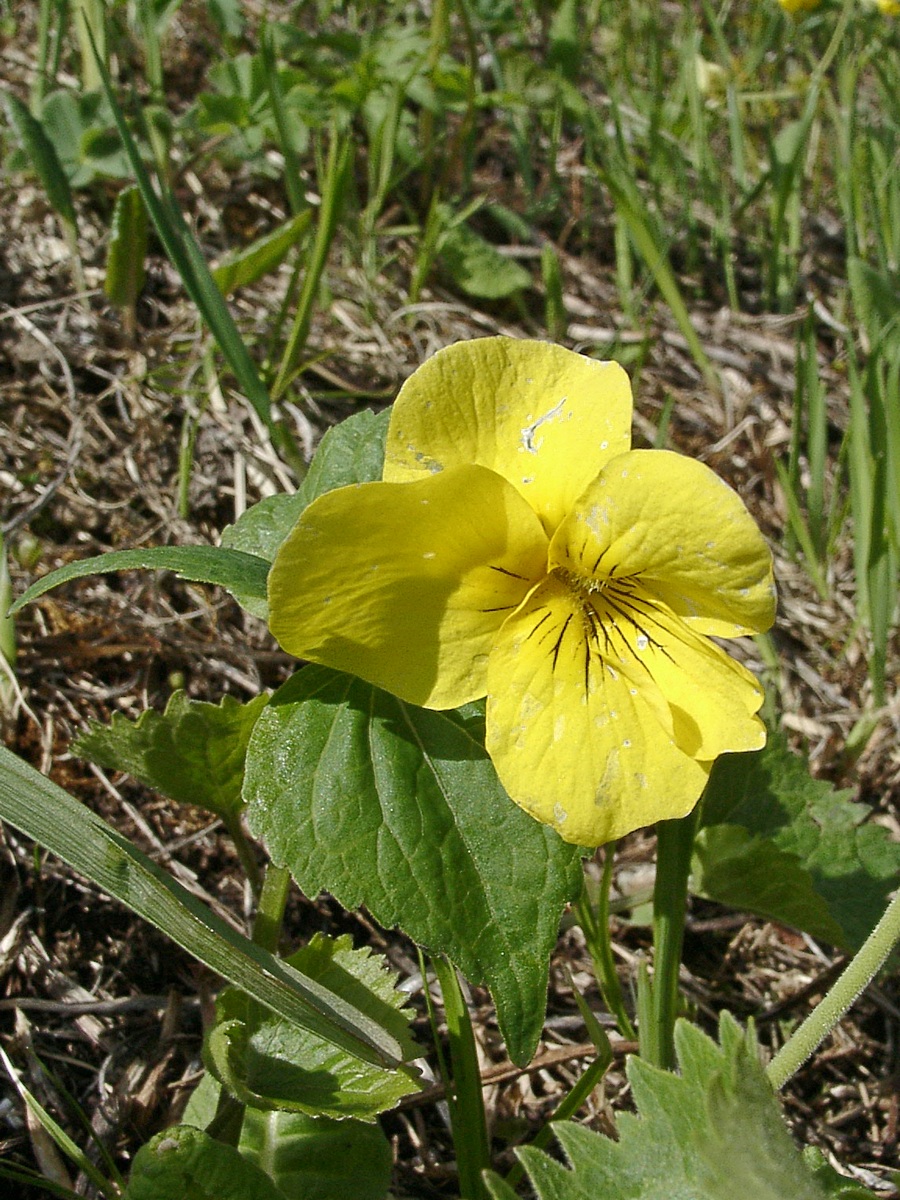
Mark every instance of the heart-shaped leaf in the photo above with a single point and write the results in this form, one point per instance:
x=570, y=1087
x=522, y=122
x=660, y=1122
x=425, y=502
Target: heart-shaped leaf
x=400, y=809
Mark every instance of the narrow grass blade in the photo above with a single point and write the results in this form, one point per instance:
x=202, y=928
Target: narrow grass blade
x=73, y=1152
x=464, y=1096
x=242, y=573
x=292, y=172
x=632, y=210
x=186, y=257
x=43, y=811
x=334, y=188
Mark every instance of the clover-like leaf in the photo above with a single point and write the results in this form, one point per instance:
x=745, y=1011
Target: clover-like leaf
x=852, y=862
x=193, y=752
x=399, y=808
x=273, y=1064
x=713, y=1131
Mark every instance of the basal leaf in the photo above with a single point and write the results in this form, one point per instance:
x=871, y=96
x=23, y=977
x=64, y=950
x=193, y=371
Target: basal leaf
x=852, y=862
x=712, y=1132
x=317, y=1158
x=193, y=752
x=239, y=573
x=352, y=452
x=740, y=869
x=478, y=268
x=271, y=1063
x=183, y=1161
x=126, y=257
x=261, y=256
x=399, y=808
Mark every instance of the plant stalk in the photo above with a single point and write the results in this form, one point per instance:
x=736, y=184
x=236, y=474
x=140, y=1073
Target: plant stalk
x=849, y=985
x=675, y=843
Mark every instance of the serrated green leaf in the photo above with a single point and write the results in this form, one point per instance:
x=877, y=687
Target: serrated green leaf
x=399, y=808
x=316, y=1158
x=734, y=867
x=352, y=452
x=273, y=1064
x=193, y=752
x=186, y=1162
x=852, y=862
x=261, y=256
x=478, y=268
x=237, y=572
x=712, y=1132
x=126, y=257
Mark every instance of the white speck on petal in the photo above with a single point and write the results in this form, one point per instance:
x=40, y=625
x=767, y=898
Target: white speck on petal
x=429, y=554
x=560, y=816
x=633, y=691
x=559, y=727
x=604, y=445
x=529, y=431
x=641, y=642
x=527, y=479
x=627, y=743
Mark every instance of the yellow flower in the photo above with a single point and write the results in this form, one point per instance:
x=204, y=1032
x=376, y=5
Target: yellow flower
x=793, y=6
x=518, y=548
x=888, y=8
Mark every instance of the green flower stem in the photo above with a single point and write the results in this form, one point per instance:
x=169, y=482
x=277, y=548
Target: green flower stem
x=595, y=927
x=232, y=823
x=270, y=913
x=463, y=1084
x=675, y=843
x=849, y=985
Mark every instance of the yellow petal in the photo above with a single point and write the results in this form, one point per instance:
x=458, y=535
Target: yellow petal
x=405, y=585
x=674, y=523
x=577, y=742
x=541, y=416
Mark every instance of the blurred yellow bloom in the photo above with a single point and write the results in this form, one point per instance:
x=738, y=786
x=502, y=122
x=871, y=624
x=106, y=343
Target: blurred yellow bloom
x=518, y=548
x=890, y=8
x=793, y=6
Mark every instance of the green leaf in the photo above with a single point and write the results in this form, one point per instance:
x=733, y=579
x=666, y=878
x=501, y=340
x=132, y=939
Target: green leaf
x=836, y=1186
x=271, y=1063
x=126, y=258
x=478, y=268
x=316, y=1158
x=193, y=753
x=852, y=862
x=876, y=298
x=399, y=808
x=43, y=158
x=742, y=870
x=44, y=812
x=352, y=452
x=239, y=573
x=186, y=1162
x=261, y=256
x=712, y=1132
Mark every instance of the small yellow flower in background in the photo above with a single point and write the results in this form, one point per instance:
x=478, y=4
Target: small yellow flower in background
x=518, y=549
x=793, y=6
x=888, y=8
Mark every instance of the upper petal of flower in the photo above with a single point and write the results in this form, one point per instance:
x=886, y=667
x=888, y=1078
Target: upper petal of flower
x=541, y=416
x=406, y=585
x=578, y=742
x=671, y=521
